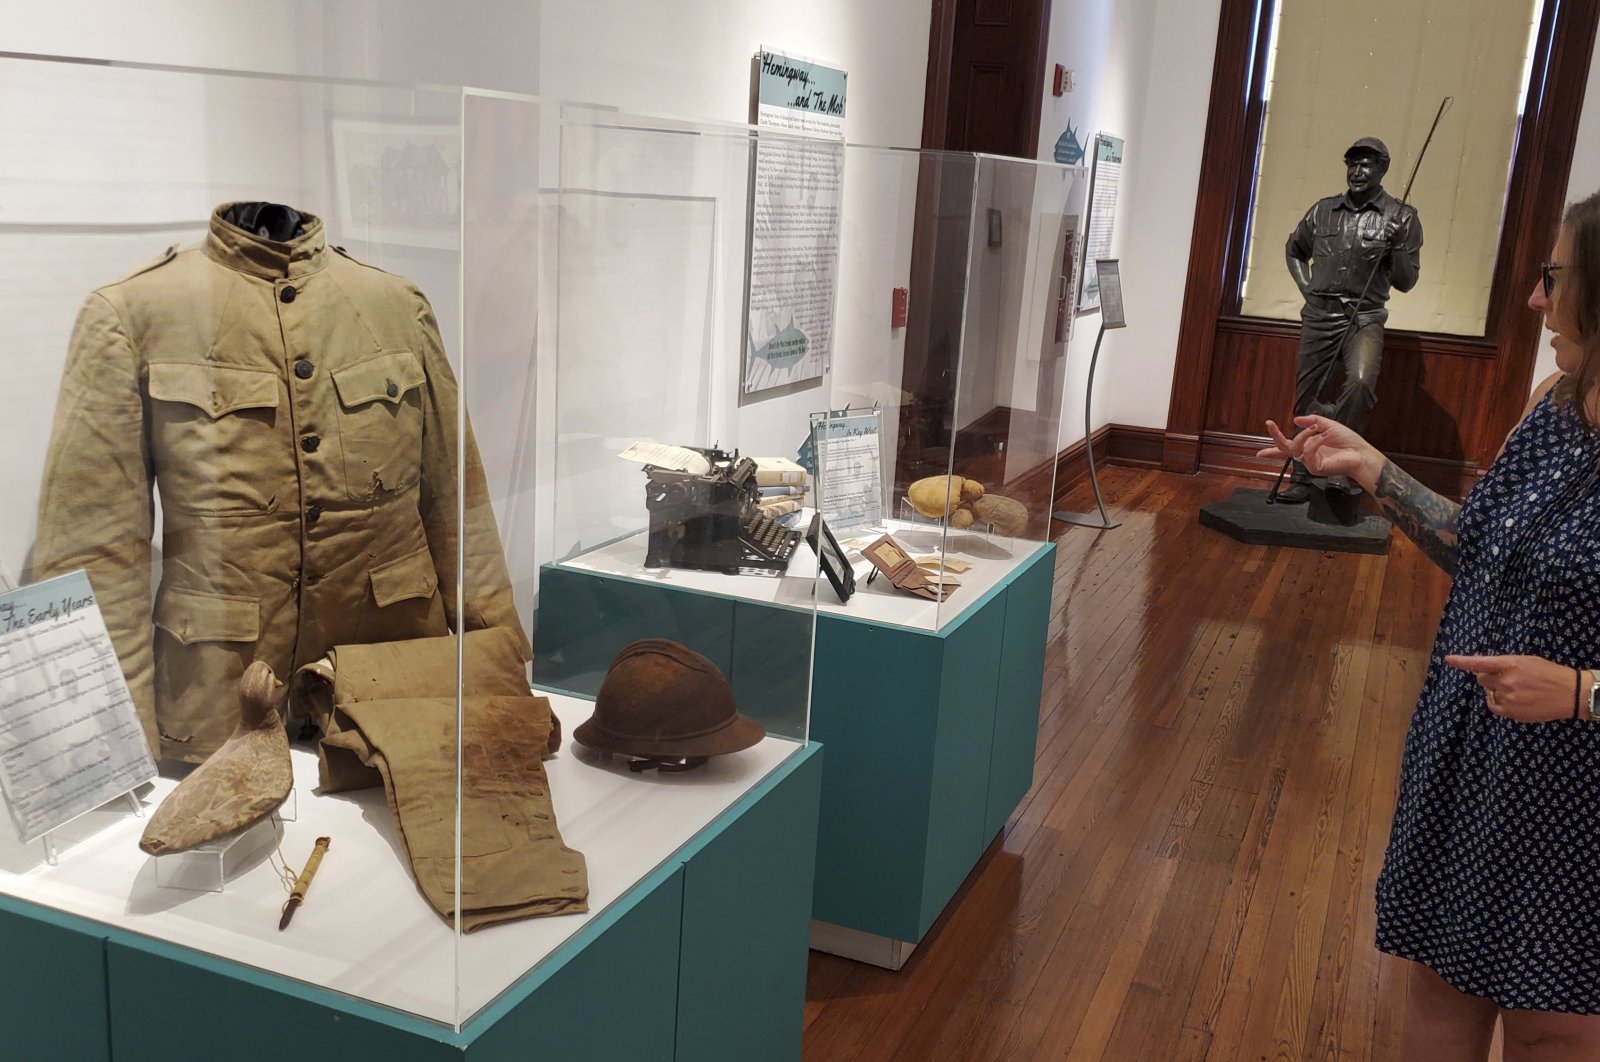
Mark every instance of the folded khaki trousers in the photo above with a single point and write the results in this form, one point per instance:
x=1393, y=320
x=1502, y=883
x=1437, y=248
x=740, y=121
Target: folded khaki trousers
x=388, y=716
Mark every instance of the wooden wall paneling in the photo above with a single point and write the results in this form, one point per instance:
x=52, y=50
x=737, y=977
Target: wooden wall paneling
x=1252, y=379
x=1234, y=454
x=1125, y=445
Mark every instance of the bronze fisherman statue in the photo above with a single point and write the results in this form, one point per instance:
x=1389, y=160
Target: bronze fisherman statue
x=1345, y=256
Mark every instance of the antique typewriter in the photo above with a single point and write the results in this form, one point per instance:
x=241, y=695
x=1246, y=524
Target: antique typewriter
x=710, y=521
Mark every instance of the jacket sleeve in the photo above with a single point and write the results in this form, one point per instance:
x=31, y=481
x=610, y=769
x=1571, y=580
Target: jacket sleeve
x=487, y=599
x=95, y=509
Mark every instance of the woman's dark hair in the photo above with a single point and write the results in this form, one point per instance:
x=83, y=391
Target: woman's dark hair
x=1578, y=287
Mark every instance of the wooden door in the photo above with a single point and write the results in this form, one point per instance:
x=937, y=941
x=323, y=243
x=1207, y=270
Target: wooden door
x=985, y=91
x=996, y=77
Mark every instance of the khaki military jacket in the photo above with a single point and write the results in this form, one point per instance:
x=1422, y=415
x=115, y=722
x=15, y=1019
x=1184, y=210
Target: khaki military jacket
x=295, y=411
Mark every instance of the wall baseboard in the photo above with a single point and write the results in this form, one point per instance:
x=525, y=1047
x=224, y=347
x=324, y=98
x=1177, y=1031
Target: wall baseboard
x=1131, y=446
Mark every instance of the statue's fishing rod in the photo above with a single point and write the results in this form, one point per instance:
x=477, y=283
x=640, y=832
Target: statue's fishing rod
x=1355, y=313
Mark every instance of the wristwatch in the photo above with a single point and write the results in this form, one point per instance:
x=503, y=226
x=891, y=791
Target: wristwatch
x=1591, y=709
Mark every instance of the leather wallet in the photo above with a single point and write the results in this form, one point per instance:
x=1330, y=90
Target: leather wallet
x=890, y=558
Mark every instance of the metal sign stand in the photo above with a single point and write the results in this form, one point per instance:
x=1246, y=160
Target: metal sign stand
x=1111, y=316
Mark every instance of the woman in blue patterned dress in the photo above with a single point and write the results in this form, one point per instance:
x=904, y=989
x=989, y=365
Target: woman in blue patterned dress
x=1491, y=882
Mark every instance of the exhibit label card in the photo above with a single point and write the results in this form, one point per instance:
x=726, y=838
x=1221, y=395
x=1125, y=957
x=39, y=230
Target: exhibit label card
x=70, y=739
x=794, y=223
x=849, y=483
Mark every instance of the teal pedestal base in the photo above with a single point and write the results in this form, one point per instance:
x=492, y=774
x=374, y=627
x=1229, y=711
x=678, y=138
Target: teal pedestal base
x=930, y=733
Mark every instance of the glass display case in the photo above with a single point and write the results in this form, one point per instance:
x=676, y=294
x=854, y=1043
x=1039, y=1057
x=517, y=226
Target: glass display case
x=968, y=380
x=939, y=379
x=677, y=501
x=313, y=375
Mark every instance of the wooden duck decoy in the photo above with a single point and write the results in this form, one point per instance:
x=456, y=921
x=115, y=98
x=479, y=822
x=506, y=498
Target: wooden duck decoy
x=242, y=783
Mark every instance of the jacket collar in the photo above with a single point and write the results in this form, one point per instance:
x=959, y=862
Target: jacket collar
x=231, y=246
x=1379, y=202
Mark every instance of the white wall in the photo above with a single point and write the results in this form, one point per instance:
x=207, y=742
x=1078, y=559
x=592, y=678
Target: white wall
x=691, y=58
x=1164, y=183
x=487, y=43
x=1144, y=74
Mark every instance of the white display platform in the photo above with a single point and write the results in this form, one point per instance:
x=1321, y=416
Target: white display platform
x=365, y=929
x=993, y=557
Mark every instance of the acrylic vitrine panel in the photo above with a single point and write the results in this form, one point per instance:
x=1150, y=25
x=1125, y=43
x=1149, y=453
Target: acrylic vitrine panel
x=1025, y=249
x=679, y=508
x=955, y=270
x=232, y=310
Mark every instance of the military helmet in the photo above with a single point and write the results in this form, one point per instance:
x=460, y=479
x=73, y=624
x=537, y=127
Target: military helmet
x=666, y=704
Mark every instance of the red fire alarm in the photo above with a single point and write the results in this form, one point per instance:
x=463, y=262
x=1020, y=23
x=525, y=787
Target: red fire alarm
x=898, y=306
x=1062, y=84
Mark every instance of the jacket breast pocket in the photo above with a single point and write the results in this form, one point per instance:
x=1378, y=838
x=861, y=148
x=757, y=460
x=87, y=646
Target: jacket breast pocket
x=214, y=438
x=380, y=424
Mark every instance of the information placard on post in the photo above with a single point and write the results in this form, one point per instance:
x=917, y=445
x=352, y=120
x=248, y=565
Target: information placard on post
x=1109, y=274
x=70, y=739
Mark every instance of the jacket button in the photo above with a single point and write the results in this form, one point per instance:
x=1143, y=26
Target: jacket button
x=287, y=293
x=303, y=369
x=313, y=512
x=391, y=390
x=309, y=443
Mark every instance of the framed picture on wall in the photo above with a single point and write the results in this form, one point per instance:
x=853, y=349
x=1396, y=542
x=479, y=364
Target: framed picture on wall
x=396, y=182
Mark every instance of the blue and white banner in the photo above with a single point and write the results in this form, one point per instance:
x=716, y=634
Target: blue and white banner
x=794, y=223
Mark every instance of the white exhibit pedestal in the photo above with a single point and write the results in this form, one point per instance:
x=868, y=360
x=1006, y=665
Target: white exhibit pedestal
x=992, y=558
x=365, y=929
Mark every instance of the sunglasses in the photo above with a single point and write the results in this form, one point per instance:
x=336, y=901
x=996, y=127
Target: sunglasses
x=1547, y=274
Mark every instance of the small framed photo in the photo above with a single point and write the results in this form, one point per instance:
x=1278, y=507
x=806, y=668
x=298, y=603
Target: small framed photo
x=831, y=558
x=396, y=181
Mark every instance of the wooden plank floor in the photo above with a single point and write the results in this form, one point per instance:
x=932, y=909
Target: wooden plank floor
x=1191, y=876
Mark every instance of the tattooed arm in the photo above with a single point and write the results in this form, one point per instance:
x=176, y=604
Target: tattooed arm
x=1427, y=519
x=1328, y=448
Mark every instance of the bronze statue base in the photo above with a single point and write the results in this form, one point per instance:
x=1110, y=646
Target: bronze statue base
x=1339, y=525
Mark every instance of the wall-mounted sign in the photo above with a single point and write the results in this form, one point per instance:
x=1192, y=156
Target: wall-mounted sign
x=1104, y=185
x=797, y=93
x=1069, y=150
x=794, y=221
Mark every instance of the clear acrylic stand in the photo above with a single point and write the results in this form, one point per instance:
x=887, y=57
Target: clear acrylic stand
x=908, y=515
x=209, y=867
x=51, y=841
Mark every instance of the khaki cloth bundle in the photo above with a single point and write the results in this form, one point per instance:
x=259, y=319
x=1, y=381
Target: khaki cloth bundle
x=388, y=716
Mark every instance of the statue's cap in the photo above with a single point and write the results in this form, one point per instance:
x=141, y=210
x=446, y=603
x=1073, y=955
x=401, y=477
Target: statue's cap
x=1367, y=145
